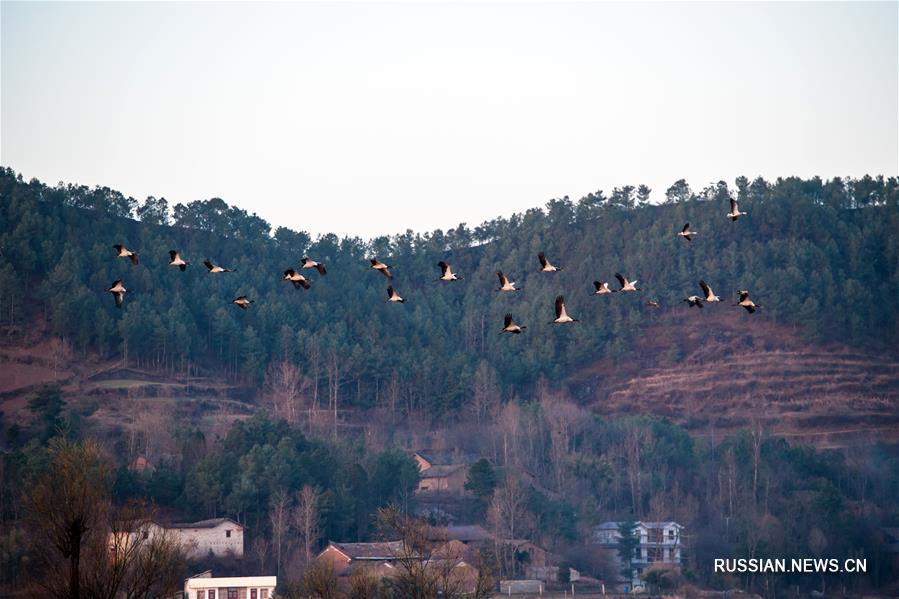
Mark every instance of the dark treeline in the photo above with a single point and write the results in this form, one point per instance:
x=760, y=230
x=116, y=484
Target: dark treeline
x=748, y=495
x=820, y=254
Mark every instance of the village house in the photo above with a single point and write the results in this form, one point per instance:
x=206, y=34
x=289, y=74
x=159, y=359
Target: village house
x=386, y=559
x=470, y=534
x=439, y=473
x=219, y=537
x=204, y=586
x=344, y=555
x=658, y=543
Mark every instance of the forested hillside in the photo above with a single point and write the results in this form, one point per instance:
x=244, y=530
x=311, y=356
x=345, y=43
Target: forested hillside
x=823, y=255
x=311, y=400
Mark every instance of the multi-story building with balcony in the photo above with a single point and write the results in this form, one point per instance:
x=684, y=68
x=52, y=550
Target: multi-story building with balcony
x=657, y=543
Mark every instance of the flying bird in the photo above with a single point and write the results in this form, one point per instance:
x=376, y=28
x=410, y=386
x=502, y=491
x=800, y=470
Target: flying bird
x=709, y=295
x=545, y=265
x=746, y=302
x=118, y=292
x=393, y=296
x=296, y=278
x=176, y=260
x=686, y=233
x=505, y=284
x=626, y=285
x=123, y=252
x=652, y=304
x=694, y=300
x=310, y=263
x=381, y=267
x=446, y=273
x=243, y=303
x=509, y=326
x=602, y=288
x=215, y=268
x=734, y=213
x=561, y=315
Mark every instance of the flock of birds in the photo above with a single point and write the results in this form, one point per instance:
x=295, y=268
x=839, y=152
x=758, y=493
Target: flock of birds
x=506, y=285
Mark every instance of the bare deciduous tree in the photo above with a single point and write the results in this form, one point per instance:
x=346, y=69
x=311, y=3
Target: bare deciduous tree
x=261, y=548
x=60, y=352
x=285, y=388
x=83, y=546
x=279, y=508
x=306, y=520
x=485, y=393
x=320, y=580
x=64, y=509
x=363, y=584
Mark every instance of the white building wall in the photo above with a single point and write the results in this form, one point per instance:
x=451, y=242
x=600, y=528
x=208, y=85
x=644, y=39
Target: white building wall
x=200, y=541
x=264, y=585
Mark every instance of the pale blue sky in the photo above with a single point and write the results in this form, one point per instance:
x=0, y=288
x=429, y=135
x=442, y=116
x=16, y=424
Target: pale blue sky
x=371, y=118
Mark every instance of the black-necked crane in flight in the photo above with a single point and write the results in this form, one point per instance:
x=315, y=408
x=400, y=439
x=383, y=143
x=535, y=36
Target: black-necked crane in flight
x=177, y=260
x=118, y=292
x=215, y=268
x=296, y=278
x=310, y=263
x=242, y=302
x=505, y=284
x=446, y=273
x=545, y=265
x=381, y=267
x=561, y=314
x=694, y=300
x=393, y=296
x=602, y=288
x=509, y=326
x=626, y=285
x=123, y=252
x=746, y=302
x=735, y=213
x=686, y=233
x=709, y=294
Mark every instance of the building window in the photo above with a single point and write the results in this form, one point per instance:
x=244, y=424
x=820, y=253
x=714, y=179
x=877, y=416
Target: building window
x=253, y=594
x=232, y=593
x=228, y=534
x=671, y=534
x=201, y=594
x=263, y=593
x=211, y=593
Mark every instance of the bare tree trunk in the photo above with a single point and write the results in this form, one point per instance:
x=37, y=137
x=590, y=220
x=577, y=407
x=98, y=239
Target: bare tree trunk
x=757, y=439
x=306, y=519
x=333, y=383
x=278, y=513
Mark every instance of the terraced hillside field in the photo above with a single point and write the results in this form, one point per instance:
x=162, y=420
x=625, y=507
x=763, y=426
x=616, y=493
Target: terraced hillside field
x=716, y=370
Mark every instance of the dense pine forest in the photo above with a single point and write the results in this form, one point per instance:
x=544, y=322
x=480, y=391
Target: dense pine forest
x=821, y=254
x=818, y=256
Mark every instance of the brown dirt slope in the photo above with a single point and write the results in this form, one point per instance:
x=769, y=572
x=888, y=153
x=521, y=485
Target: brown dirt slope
x=718, y=370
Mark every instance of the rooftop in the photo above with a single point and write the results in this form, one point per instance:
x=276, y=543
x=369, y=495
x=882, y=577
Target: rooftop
x=465, y=533
x=210, y=523
x=612, y=525
x=439, y=471
x=388, y=550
